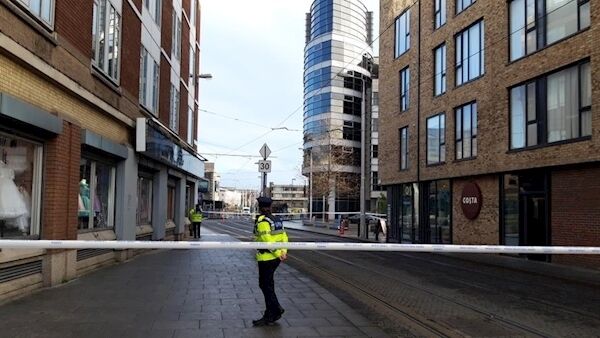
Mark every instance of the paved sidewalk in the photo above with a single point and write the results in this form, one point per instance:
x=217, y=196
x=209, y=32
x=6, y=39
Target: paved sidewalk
x=351, y=232
x=182, y=293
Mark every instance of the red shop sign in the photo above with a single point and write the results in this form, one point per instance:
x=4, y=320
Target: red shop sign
x=471, y=200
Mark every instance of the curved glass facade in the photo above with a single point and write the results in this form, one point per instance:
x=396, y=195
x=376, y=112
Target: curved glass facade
x=336, y=66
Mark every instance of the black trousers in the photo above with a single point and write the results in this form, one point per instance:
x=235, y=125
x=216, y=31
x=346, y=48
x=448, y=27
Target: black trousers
x=266, y=270
x=196, y=227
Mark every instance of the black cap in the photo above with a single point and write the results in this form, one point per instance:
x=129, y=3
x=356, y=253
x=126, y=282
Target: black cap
x=264, y=201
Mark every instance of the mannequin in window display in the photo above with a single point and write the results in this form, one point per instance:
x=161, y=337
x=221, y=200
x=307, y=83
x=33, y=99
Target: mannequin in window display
x=84, y=203
x=12, y=204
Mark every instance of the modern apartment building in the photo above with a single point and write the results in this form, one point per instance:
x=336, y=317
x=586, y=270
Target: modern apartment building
x=337, y=87
x=98, y=122
x=489, y=124
x=288, y=197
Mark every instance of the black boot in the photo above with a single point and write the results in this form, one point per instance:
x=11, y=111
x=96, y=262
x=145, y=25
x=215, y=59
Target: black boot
x=264, y=321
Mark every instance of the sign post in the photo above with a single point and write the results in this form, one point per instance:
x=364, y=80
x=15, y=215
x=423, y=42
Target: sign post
x=264, y=167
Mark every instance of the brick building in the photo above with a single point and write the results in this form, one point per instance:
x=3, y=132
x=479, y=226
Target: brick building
x=98, y=122
x=489, y=127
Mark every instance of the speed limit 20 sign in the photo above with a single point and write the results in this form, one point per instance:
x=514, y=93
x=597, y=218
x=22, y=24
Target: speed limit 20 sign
x=264, y=166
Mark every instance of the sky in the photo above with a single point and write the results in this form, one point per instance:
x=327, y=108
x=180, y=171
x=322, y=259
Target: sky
x=255, y=53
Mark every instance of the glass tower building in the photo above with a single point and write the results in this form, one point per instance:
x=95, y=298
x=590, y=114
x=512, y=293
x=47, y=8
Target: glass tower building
x=338, y=66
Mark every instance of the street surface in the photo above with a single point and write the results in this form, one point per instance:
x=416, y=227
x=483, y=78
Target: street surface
x=437, y=295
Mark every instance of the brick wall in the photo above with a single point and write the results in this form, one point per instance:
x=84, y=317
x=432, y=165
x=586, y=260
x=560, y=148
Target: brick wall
x=183, y=113
x=61, y=184
x=575, y=216
x=185, y=51
x=484, y=229
x=490, y=92
x=69, y=26
x=164, y=100
x=130, y=51
x=166, y=27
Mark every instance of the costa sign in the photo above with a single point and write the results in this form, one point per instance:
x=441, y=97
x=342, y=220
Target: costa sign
x=471, y=200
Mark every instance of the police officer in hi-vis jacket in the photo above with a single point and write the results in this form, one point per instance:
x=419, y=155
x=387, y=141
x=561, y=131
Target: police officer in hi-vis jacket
x=269, y=228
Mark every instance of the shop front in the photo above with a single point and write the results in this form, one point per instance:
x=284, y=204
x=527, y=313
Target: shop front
x=31, y=142
x=169, y=175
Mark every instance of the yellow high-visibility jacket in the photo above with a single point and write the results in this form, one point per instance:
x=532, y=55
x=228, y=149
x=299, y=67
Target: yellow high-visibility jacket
x=269, y=229
x=195, y=217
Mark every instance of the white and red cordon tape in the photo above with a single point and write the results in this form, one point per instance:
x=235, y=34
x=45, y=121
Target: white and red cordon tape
x=443, y=248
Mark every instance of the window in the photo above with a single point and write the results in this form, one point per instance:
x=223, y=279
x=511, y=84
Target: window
x=351, y=130
x=42, y=9
x=466, y=131
x=176, y=37
x=440, y=13
x=149, y=72
x=171, y=201
x=193, y=13
x=154, y=7
x=96, y=200
x=436, y=139
x=174, y=113
x=461, y=5
x=352, y=105
x=144, y=209
x=404, y=89
x=440, y=70
x=21, y=187
x=438, y=212
x=470, y=54
x=402, y=39
x=190, y=130
x=537, y=23
x=106, y=36
x=192, y=63
x=375, y=151
x=404, y=148
x=375, y=186
x=560, y=101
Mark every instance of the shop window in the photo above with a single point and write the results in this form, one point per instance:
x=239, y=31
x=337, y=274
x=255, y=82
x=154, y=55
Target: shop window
x=20, y=187
x=438, y=212
x=406, y=213
x=144, y=210
x=96, y=200
x=510, y=210
x=42, y=9
x=171, y=202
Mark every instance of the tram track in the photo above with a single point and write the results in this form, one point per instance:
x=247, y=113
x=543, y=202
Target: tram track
x=349, y=279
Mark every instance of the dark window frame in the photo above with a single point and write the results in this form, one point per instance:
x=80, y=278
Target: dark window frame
x=441, y=138
x=541, y=96
x=404, y=149
x=404, y=88
x=397, y=53
x=458, y=137
x=444, y=73
x=458, y=63
x=437, y=12
x=540, y=26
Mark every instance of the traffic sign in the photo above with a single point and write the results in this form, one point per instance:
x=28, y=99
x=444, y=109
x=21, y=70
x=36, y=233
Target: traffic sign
x=265, y=151
x=264, y=166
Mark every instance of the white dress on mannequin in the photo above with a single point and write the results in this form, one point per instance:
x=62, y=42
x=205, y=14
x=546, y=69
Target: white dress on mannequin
x=11, y=201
